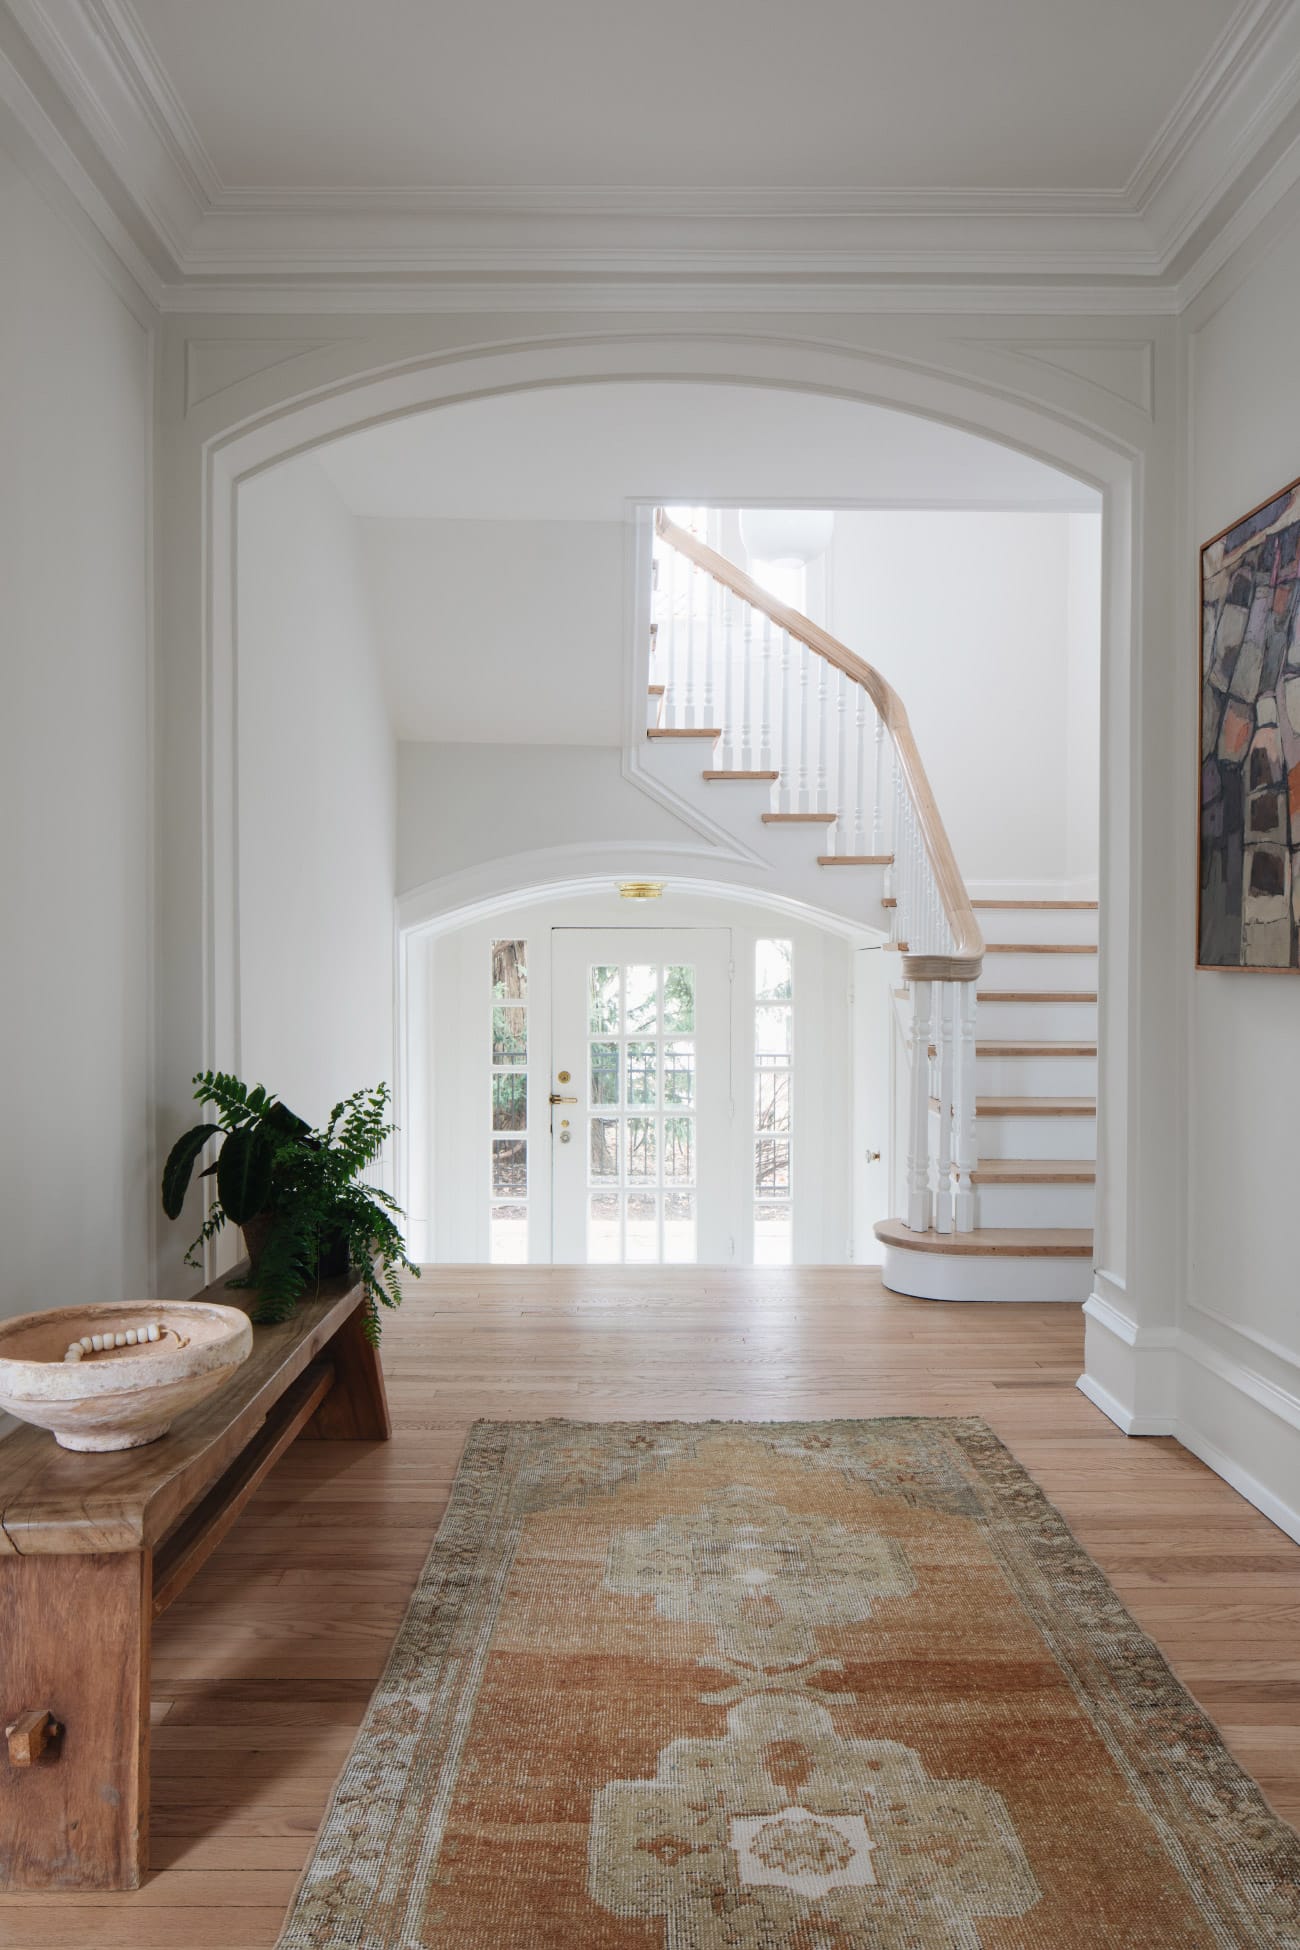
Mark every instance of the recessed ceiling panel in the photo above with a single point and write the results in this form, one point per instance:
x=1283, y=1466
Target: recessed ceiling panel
x=838, y=94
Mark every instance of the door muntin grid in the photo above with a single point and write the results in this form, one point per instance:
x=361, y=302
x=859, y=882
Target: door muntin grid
x=640, y=1113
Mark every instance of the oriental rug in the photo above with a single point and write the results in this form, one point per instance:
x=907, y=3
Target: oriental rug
x=780, y=1686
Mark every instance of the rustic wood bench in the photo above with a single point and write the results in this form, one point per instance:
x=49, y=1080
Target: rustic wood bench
x=93, y=1548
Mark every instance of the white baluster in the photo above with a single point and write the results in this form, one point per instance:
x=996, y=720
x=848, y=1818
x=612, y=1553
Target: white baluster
x=688, y=705
x=765, y=704
x=860, y=702
x=918, y=1136
x=843, y=804
x=668, y=669
x=787, y=760
x=944, y=1066
x=878, y=811
x=823, y=803
x=805, y=727
x=727, y=749
x=966, y=1156
x=746, y=755
x=709, y=621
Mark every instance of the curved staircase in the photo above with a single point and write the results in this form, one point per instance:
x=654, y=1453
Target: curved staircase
x=997, y=1041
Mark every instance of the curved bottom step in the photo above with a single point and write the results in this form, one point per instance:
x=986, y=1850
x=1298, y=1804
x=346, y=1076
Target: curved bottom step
x=989, y=1264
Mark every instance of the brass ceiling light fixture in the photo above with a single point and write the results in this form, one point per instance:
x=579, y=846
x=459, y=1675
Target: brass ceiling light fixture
x=640, y=890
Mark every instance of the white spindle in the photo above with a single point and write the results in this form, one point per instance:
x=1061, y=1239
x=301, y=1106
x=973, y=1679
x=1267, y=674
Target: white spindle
x=859, y=842
x=786, y=759
x=712, y=592
x=805, y=680
x=918, y=1136
x=823, y=803
x=765, y=704
x=878, y=811
x=727, y=748
x=963, y=1110
x=671, y=642
x=684, y=632
x=842, y=805
x=747, y=690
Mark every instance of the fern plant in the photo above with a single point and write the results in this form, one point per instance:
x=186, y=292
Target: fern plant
x=298, y=1191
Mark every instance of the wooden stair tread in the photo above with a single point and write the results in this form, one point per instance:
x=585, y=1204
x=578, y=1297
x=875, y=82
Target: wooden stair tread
x=1035, y=1049
x=1034, y=1171
x=656, y=690
x=684, y=731
x=1006, y=1242
x=1053, y=907
x=771, y=777
x=857, y=860
x=1040, y=947
x=1035, y=995
x=1030, y=1049
x=1035, y=1106
x=799, y=819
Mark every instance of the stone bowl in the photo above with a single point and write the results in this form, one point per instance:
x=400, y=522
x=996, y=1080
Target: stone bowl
x=122, y=1397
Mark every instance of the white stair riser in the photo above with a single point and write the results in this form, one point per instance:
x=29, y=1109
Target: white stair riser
x=1027, y=1022
x=1039, y=972
x=952, y=1276
x=787, y=851
x=1036, y=1137
x=1037, y=923
x=1036, y=1205
x=1036, y=1076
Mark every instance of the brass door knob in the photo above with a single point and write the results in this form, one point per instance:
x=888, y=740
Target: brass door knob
x=556, y=1099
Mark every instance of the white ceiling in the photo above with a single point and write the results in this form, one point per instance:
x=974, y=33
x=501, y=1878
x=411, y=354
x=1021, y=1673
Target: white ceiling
x=404, y=155
x=579, y=453
x=836, y=94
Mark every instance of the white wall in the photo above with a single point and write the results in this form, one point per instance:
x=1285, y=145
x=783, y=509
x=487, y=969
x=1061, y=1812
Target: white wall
x=1239, y=1378
x=988, y=626
x=317, y=799
x=459, y=805
x=77, y=1191
x=505, y=631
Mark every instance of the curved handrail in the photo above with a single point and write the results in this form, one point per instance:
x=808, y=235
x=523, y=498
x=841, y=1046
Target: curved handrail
x=967, y=957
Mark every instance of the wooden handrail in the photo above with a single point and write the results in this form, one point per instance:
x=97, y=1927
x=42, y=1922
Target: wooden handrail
x=967, y=958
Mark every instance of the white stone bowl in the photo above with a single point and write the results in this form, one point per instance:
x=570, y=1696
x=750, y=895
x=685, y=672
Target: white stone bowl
x=125, y=1396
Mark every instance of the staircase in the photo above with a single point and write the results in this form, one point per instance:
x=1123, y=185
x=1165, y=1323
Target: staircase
x=805, y=753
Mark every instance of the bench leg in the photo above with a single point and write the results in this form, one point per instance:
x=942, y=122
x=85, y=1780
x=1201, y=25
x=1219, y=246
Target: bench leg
x=75, y=1633
x=356, y=1408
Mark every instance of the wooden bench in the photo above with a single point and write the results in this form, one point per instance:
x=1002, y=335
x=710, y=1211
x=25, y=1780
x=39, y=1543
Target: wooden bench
x=93, y=1548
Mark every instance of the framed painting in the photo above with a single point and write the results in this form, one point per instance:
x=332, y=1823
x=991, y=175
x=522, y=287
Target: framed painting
x=1249, y=855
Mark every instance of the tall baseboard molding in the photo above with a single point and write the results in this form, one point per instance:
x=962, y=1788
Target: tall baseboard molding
x=1243, y=1425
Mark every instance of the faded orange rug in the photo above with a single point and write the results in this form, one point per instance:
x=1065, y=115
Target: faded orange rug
x=780, y=1686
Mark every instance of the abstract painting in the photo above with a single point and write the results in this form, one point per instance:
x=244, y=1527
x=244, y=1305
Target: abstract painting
x=1250, y=741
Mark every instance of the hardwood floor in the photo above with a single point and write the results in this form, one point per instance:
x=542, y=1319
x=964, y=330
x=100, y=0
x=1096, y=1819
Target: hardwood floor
x=263, y=1669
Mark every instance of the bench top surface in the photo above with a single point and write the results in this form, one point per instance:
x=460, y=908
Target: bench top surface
x=55, y=1501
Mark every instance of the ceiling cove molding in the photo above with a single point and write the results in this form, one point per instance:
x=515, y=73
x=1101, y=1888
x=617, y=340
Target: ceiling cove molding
x=256, y=249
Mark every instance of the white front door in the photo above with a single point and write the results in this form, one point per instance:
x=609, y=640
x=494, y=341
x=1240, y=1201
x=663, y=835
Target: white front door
x=641, y=1048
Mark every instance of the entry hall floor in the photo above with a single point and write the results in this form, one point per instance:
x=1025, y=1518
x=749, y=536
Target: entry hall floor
x=263, y=1669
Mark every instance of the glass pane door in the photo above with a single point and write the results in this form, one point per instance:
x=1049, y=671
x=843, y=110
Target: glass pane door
x=643, y=1049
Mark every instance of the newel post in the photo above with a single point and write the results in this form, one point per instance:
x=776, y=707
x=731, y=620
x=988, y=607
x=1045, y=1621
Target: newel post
x=918, y=1134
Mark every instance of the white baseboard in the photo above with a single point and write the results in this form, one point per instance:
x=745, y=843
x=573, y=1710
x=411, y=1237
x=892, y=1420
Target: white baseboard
x=1243, y=1425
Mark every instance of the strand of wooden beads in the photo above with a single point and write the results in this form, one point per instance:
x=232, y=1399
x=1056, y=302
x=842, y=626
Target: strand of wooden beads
x=98, y=1343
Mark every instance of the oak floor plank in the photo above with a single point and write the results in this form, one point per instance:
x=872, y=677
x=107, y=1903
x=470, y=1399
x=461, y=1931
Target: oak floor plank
x=263, y=1669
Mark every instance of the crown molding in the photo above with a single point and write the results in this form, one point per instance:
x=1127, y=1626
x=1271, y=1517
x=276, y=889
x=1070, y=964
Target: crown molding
x=1146, y=247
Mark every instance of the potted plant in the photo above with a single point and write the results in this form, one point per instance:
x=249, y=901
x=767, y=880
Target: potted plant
x=296, y=1192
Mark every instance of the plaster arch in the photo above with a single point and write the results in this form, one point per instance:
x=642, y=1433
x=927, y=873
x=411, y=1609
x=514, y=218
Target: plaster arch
x=252, y=428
